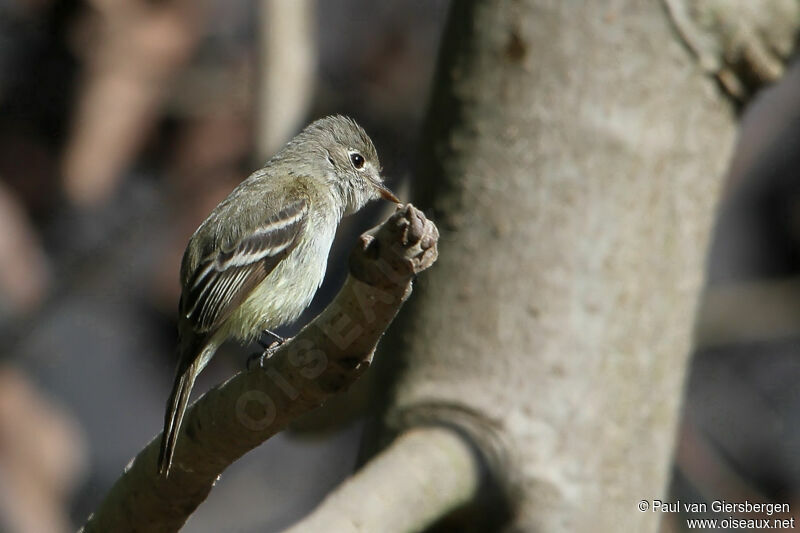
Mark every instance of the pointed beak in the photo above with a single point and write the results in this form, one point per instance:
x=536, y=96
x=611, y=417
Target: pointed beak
x=386, y=194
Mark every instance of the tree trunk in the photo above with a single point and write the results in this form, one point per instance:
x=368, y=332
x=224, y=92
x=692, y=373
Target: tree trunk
x=573, y=157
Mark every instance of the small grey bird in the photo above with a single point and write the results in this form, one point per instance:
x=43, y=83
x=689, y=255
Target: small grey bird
x=255, y=263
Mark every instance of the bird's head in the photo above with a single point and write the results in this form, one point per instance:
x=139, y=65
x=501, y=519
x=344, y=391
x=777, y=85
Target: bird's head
x=350, y=161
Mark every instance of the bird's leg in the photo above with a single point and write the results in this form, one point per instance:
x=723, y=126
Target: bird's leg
x=269, y=349
x=278, y=339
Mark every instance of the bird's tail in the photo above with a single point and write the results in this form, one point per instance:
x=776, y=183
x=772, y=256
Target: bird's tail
x=178, y=400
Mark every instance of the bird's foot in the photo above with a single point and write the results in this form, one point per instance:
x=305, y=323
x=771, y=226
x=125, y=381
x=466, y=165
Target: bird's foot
x=263, y=356
x=269, y=350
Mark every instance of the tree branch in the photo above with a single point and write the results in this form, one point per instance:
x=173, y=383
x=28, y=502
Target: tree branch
x=744, y=45
x=395, y=492
x=326, y=357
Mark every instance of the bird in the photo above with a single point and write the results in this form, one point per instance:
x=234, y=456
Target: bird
x=256, y=261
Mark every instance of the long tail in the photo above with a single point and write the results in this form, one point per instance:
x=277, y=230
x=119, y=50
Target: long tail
x=176, y=405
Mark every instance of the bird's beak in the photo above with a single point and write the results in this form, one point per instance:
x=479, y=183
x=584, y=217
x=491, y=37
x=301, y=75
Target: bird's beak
x=386, y=194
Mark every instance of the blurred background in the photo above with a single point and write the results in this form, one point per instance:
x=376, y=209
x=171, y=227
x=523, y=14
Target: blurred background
x=122, y=123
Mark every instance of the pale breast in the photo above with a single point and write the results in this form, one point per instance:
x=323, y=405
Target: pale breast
x=287, y=290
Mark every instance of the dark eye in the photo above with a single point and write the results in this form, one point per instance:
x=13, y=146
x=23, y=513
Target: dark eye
x=357, y=160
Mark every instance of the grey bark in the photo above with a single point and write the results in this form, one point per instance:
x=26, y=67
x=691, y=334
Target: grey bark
x=573, y=158
x=425, y=473
x=744, y=44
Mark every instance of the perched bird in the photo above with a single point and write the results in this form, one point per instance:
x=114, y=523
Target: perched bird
x=255, y=263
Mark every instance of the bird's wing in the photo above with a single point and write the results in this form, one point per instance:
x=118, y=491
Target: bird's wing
x=221, y=282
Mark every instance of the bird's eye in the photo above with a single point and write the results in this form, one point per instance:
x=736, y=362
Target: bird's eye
x=357, y=160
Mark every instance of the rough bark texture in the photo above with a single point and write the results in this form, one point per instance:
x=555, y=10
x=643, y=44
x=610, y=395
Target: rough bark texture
x=574, y=156
x=235, y=417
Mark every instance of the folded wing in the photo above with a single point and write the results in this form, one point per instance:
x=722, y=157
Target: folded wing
x=223, y=281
